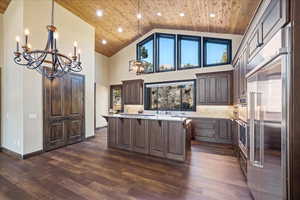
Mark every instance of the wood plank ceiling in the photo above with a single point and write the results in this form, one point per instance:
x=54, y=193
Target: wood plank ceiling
x=3, y=5
x=231, y=16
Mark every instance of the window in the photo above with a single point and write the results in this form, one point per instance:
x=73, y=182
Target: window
x=145, y=52
x=188, y=52
x=216, y=51
x=116, y=98
x=165, y=52
x=173, y=96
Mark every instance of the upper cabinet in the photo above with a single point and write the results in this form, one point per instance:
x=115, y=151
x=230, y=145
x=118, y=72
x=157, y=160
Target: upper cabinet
x=268, y=20
x=116, y=103
x=214, y=88
x=133, y=92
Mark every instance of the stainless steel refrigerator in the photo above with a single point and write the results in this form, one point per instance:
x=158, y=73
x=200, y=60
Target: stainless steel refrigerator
x=266, y=92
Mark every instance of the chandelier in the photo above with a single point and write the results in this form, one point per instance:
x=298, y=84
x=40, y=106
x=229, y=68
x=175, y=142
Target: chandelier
x=138, y=66
x=49, y=62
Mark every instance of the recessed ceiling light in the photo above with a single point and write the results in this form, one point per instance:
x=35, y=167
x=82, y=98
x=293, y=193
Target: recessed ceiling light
x=120, y=29
x=99, y=13
x=181, y=14
x=212, y=15
x=104, y=42
x=139, y=16
x=158, y=14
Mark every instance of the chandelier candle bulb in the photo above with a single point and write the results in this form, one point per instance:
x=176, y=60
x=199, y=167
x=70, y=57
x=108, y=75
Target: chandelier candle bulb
x=26, y=32
x=18, y=43
x=79, y=52
x=75, y=48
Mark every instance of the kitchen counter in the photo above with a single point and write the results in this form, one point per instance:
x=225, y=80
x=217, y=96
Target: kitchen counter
x=149, y=117
x=163, y=136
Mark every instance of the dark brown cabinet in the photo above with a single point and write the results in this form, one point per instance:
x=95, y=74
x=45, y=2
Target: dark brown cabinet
x=212, y=130
x=112, y=129
x=161, y=138
x=175, y=140
x=156, y=138
x=140, y=139
x=133, y=92
x=124, y=134
x=214, y=88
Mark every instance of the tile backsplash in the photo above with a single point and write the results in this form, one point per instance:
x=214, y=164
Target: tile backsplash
x=203, y=111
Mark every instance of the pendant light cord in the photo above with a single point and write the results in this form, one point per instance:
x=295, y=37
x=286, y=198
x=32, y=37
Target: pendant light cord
x=52, y=13
x=139, y=20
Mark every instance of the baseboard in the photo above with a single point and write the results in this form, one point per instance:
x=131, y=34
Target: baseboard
x=29, y=155
x=100, y=128
x=19, y=156
x=90, y=137
x=11, y=153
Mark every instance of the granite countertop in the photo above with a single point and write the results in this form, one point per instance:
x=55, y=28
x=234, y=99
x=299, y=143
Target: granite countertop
x=149, y=117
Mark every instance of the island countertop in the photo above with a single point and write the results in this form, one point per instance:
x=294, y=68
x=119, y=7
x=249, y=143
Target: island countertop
x=149, y=117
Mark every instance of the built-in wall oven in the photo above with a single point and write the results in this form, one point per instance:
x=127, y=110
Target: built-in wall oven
x=242, y=136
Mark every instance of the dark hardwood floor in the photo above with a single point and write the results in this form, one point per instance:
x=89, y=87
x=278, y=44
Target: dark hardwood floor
x=89, y=170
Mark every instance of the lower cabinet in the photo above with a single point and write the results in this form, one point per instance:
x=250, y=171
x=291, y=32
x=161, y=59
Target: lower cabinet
x=161, y=138
x=124, y=134
x=175, y=139
x=212, y=130
x=156, y=138
x=112, y=127
x=140, y=139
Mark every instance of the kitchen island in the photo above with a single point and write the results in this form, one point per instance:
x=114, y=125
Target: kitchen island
x=162, y=136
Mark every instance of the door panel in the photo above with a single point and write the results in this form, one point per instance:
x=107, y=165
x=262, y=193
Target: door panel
x=112, y=131
x=124, y=133
x=156, y=136
x=175, y=140
x=140, y=140
x=63, y=111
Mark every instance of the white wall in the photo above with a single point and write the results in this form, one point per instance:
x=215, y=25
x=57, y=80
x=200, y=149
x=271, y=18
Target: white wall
x=119, y=62
x=12, y=81
x=1, y=40
x=70, y=27
x=102, y=88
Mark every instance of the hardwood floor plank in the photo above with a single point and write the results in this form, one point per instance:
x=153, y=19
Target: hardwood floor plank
x=89, y=170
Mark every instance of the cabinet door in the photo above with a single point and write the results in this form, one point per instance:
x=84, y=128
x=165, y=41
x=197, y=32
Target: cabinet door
x=205, y=129
x=211, y=85
x=201, y=90
x=112, y=132
x=156, y=138
x=124, y=134
x=223, y=90
x=224, y=133
x=175, y=138
x=140, y=139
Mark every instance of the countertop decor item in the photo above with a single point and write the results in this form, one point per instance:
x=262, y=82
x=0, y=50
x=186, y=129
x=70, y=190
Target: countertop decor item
x=49, y=62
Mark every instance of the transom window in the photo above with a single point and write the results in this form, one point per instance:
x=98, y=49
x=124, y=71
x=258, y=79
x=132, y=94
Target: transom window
x=170, y=52
x=145, y=52
x=166, y=52
x=216, y=51
x=189, y=52
x=172, y=96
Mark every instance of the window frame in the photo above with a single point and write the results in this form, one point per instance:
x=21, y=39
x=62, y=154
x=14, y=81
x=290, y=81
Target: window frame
x=157, y=50
x=191, y=38
x=146, y=96
x=228, y=42
x=138, y=45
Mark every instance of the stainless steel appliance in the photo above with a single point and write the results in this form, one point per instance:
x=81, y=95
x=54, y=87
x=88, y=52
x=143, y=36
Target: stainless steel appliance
x=266, y=173
x=242, y=136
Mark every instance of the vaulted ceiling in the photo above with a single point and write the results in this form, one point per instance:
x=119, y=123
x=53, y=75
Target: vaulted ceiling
x=231, y=16
x=3, y=5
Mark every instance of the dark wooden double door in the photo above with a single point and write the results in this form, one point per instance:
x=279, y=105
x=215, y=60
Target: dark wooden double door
x=63, y=111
